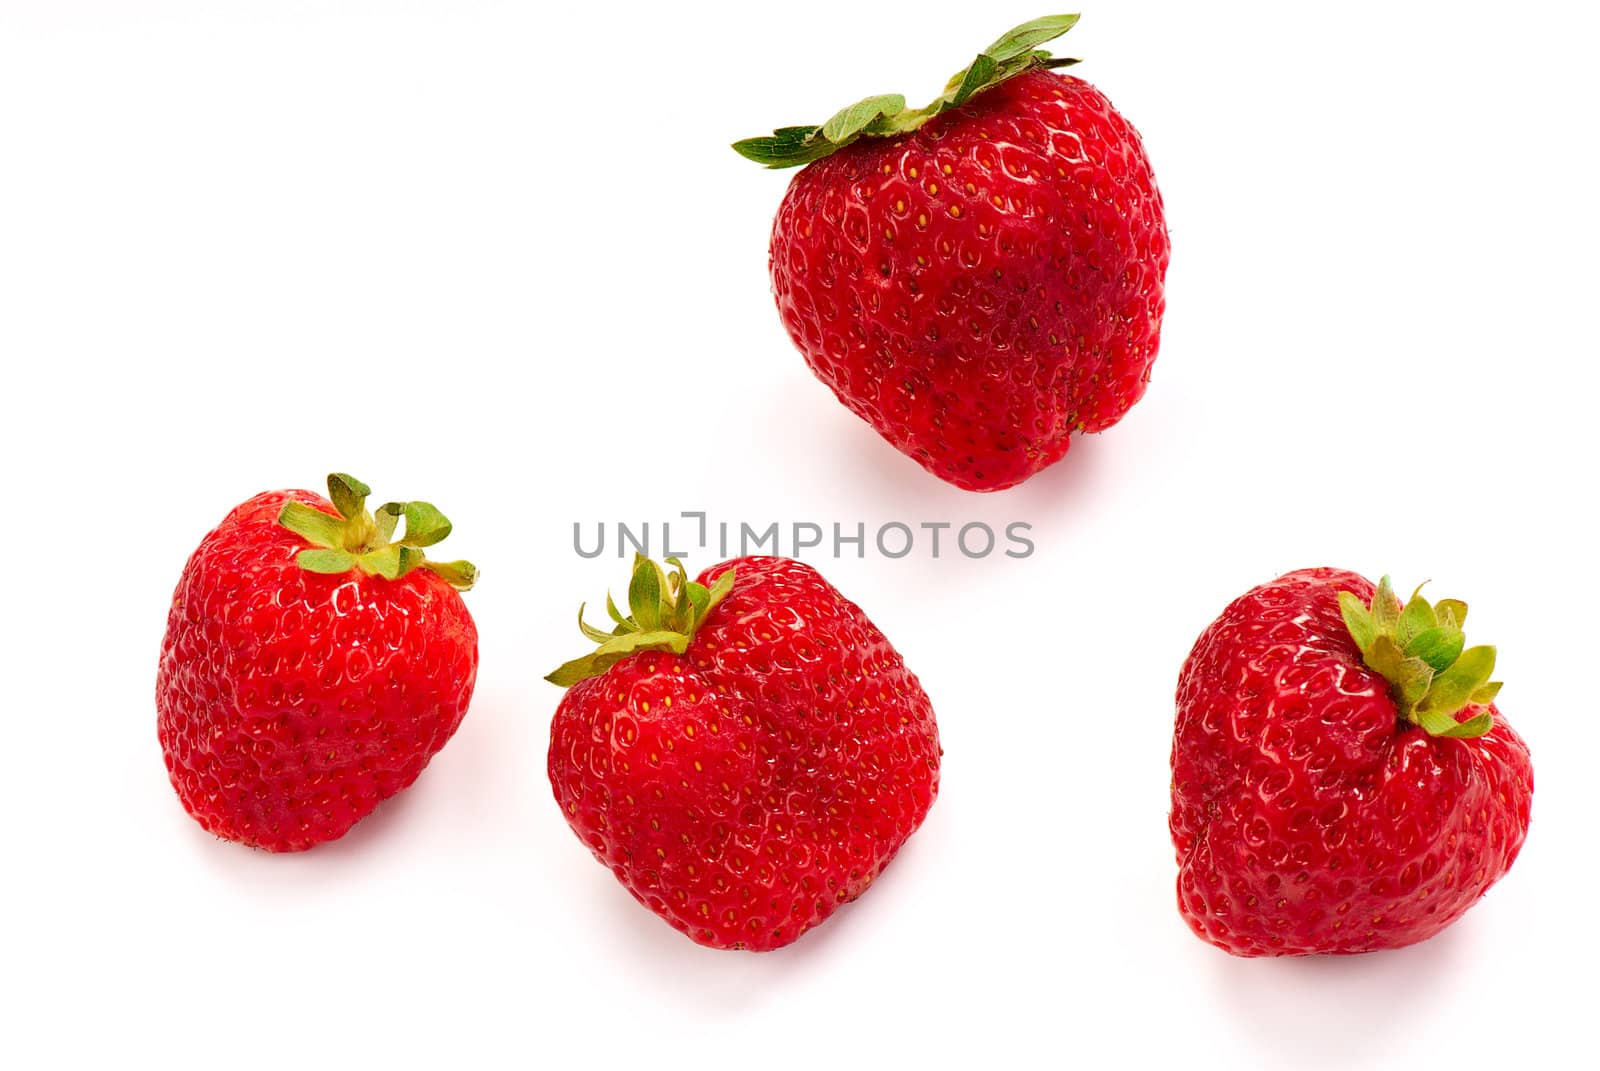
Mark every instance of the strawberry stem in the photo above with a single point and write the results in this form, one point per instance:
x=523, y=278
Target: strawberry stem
x=886, y=115
x=666, y=610
x=1420, y=649
x=356, y=538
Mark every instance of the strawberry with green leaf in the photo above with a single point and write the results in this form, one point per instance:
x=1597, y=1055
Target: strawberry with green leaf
x=315, y=659
x=1342, y=780
x=745, y=752
x=982, y=278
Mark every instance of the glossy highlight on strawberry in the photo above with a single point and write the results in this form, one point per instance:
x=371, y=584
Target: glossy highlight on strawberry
x=312, y=664
x=1342, y=780
x=745, y=752
x=981, y=283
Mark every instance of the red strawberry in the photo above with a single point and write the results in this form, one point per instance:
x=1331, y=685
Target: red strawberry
x=313, y=664
x=745, y=753
x=1341, y=779
x=980, y=278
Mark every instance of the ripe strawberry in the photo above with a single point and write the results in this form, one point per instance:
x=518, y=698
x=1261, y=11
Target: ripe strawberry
x=745, y=753
x=312, y=665
x=1341, y=779
x=980, y=278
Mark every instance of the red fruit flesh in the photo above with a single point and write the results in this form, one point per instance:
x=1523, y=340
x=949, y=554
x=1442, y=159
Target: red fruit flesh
x=292, y=703
x=986, y=286
x=1307, y=816
x=747, y=788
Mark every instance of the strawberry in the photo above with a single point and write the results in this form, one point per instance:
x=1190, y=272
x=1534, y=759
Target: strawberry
x=313, y=664
x=981, y=278
x=744, y=752
x=1341, y=778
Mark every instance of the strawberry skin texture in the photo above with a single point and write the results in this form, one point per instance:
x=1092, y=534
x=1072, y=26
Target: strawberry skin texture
x=747, y=788
x=292, y=703
x=984, y=287
x=1307, y=816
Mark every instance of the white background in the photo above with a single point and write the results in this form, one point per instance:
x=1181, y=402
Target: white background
x=501, y=258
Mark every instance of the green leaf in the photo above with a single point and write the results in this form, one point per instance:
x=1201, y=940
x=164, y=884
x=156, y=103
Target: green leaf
x=569, y=673
x=977, y=76
x=699, y=603
x=589, y=631
x=348, y=494
x=644, y=593
x=460, y=575
x=311, y=524
x=1385, y=608
x=1030, y=35
x=1436, y=722
x=623, y=624
x=1357, y=620
x=384, y=562
x=1385, y=657
x=1482, y=697
x=1451, y=610
x=384, y=522
x=675, y=610
x=1416, y=617
x=789, y=146
x=614, y=651
x=392, y=560
x=425, y=525
x=851, y=121
x=721, y=586
x=1439, y=646
x=323, y=560
x=410, y=558
x=1474, y=726
x=1453, y=688
x=1412, y=682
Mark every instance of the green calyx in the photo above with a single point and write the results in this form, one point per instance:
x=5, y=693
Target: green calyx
x=667, y=608
x=887, y=115
x=359, y=539
x=1420, y=649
